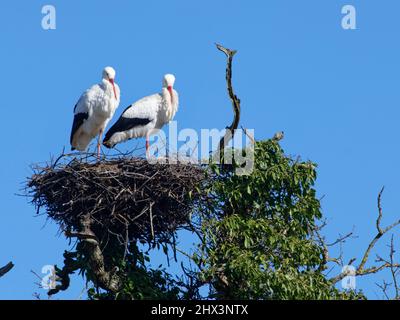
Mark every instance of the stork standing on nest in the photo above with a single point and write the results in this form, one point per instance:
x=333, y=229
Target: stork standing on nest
x=94, y=110
x=142, y=118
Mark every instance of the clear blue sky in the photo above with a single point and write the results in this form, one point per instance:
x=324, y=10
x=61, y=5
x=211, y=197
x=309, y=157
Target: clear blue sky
x=334, y=92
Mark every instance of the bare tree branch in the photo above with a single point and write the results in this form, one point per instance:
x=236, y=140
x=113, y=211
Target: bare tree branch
x=325, y=251
x=251, y=137
x=384, y=287
x=6, y=269
x=380, y=233
x=361, y=270
x=230, y=131
x=394, y=270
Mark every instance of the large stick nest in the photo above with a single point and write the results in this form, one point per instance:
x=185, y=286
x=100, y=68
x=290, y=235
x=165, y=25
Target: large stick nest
x=124, y=197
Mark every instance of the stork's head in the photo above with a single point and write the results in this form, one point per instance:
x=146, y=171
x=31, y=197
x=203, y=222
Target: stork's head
x=109, y=75
x=168, y=82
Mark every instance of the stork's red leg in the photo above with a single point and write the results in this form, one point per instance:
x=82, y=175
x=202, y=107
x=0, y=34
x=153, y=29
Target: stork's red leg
x=147, y=146
x=99, y=144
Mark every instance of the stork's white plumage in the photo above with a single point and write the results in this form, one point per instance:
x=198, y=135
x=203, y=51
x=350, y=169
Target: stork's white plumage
x=94, y=110
x=146, y=115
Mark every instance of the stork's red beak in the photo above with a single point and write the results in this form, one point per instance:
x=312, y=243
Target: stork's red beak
x=115, y=92
x=171, y=93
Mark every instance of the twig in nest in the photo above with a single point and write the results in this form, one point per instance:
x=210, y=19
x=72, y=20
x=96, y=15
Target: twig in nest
x=151, y=219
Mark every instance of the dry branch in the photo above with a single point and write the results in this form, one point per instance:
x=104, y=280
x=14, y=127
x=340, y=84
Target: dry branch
x=6, y=269
x=393, y=269
x=361, y=270
x=230, y=130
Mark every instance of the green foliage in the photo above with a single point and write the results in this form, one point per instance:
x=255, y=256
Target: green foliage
x=258, y=232
x=257, y=239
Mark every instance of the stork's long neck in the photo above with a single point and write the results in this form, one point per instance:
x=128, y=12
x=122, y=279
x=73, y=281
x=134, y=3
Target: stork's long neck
x=109, y=89
x=170, y=102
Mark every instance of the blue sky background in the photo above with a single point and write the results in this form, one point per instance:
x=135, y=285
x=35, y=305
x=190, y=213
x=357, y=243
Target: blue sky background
x=334, y=92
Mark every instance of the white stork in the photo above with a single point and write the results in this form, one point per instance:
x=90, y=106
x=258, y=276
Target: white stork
x=94, y=110
x=144, y=116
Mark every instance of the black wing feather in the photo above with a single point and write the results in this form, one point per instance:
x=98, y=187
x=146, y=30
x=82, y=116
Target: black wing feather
x=79, y=119
x=125, y=124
